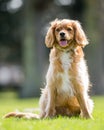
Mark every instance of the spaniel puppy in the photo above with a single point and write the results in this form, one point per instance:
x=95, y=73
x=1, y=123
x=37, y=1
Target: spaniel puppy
x=67, y=79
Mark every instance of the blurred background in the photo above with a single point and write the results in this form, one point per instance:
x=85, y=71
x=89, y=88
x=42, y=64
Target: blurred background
x=23, y=55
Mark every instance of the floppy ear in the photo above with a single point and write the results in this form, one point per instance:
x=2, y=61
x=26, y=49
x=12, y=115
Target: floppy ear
x=50, y=36
x=80, y=36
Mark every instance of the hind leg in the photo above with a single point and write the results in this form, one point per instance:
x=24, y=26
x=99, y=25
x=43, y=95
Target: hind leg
x=68, y=111
x=73, y=106
x=69, y=108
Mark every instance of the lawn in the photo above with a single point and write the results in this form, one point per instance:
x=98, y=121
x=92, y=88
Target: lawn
x=9, y=102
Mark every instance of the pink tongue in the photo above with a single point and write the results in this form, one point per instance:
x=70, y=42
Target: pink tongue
x=63, y=43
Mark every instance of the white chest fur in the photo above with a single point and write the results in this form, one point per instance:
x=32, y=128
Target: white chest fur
x=66, y=84
x=66, y=61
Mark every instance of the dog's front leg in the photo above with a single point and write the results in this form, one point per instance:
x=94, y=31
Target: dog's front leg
x=50, y=108
x=83, y=102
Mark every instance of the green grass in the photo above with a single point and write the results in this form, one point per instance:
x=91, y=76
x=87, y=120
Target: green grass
x=9, y=102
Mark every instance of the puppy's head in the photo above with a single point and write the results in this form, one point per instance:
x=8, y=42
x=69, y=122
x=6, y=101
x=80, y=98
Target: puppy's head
x=64, y=33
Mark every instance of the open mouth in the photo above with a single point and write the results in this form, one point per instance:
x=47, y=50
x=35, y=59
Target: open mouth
x=63, y=42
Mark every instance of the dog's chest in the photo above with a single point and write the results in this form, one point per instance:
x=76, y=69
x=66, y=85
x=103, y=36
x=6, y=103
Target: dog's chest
x=66, y=61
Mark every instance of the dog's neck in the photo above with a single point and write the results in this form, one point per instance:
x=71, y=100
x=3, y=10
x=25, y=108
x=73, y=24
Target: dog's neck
x=62, y=49
x=72, y=48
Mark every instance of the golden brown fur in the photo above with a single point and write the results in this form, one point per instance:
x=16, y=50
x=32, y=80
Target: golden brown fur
x=67, y=80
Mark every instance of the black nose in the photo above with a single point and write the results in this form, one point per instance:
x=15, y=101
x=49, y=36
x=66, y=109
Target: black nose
x=62, y=34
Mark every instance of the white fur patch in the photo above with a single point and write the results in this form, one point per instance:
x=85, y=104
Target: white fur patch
x=66, y=84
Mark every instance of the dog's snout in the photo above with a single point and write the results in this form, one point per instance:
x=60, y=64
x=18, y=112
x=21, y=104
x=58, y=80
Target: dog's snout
x=62, y=34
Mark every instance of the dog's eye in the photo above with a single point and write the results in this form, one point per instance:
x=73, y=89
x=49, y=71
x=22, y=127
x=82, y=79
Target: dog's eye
x=57, y=29
x=69, y=29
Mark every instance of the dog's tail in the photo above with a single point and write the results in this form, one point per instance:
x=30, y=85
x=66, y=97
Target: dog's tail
x=25, y=115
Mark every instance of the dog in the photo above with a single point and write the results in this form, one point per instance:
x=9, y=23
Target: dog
x=67, y=79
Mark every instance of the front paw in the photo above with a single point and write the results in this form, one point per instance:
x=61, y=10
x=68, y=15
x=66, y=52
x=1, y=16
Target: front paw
x=50, y=113
x=86, y=115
